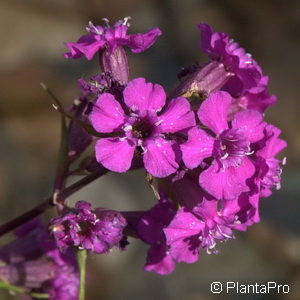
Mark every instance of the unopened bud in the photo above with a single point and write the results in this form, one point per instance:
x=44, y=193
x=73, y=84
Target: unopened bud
x=116, y=63
x=203, y=81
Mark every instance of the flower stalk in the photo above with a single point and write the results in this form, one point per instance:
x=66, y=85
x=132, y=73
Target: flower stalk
x=49, y=203
x=81, y=258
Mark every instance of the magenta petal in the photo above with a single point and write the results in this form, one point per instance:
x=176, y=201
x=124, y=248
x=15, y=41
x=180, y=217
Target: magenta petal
x=260, y=101
x=92, y=49
x=142, y=41
x=159, y=158
x=177, y=116
x=251, y=123
x=86, y=45
x=206, y=34
x=74, y=51
x=186, y=250
x=115, y=154
x=253, y=211
x=227, y=183
x=159, y=261
x=198, y=146
x=182, y=236
x=107, y=114
x=212, y=43
x=273, y=144
x=141, y=96
x=183, y=225
x=214, y=110
x=150, y=225
x=78, y=48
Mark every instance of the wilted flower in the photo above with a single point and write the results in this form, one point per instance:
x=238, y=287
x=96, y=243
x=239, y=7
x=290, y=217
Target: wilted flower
x=97, y=230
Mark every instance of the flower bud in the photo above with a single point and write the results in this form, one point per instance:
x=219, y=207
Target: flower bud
x=116, y=63
x=203, y=81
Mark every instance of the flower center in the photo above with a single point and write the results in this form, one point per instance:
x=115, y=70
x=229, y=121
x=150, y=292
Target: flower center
x=232, y=146
x=142, y=129
x=84, y=227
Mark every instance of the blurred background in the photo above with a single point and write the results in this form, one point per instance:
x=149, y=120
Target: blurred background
x=32, y=35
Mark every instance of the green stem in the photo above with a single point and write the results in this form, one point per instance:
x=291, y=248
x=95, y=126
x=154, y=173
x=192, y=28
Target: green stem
x=81, y=258
x=12, y=288
x=39, y=295
x=19, y=290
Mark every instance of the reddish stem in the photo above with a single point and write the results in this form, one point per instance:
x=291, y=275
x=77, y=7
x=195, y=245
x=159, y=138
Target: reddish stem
x=48, y=203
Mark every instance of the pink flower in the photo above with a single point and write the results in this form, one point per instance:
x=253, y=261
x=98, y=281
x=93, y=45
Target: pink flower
x=190, y=231
x=106, y=37
x=139, y=126
x=219, y=47
x=247, y=84
x=226, y=176
x=209, y=222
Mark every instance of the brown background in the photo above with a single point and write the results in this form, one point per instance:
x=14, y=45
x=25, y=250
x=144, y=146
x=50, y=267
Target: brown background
x=32, y=34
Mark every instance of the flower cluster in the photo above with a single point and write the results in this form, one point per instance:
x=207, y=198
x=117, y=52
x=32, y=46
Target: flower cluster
x=206, y=145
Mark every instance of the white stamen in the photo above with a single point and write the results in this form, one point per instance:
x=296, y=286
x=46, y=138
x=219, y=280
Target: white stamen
x=133, y=108
x=127, y=128
x=250, y=152
x=144, y=149
x=91, y=27
x=106, y=21
x=76, y=102
x=225, y=156
x=125, y=22
x=284, y=161
x=158, y=122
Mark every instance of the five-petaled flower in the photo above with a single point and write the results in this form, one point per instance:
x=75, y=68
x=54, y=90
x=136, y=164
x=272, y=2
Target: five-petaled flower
x=227, y=175
x=140, y=123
